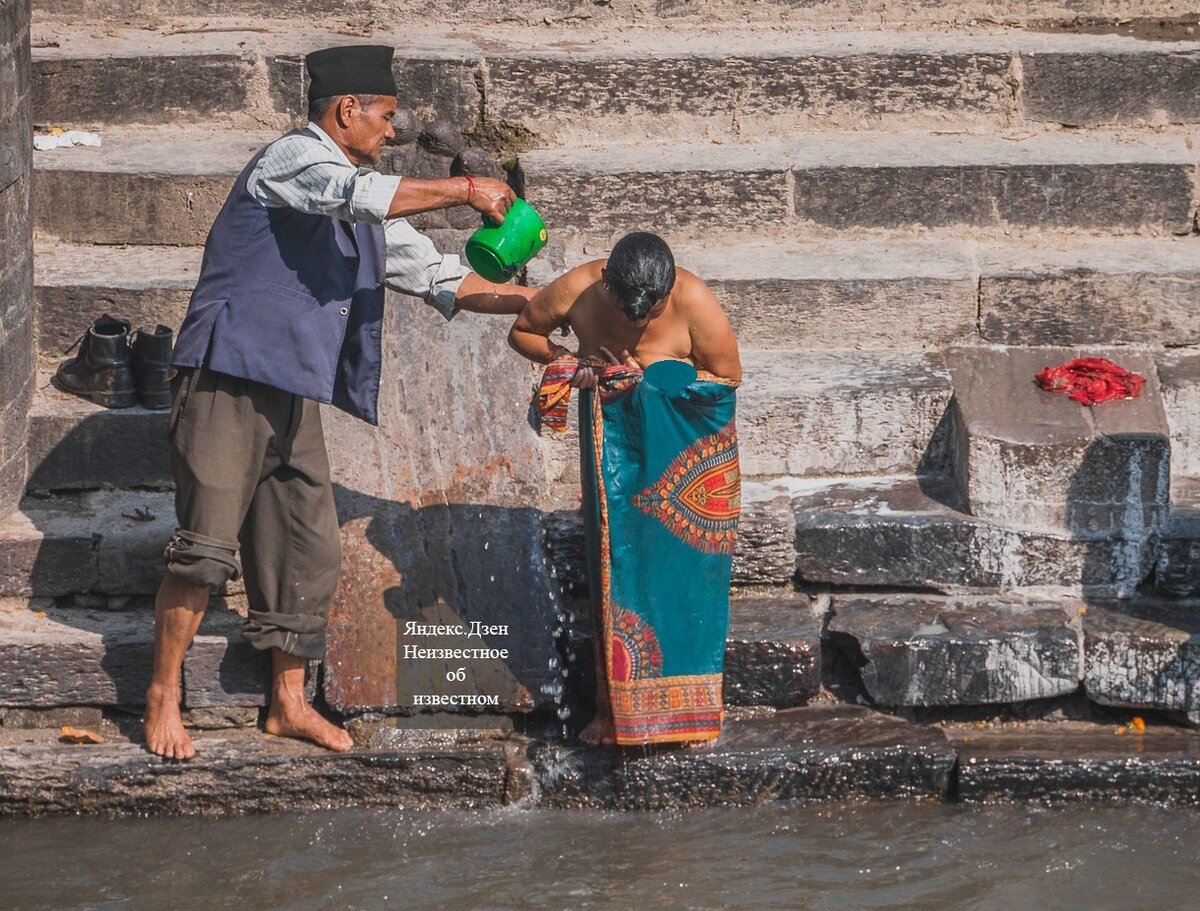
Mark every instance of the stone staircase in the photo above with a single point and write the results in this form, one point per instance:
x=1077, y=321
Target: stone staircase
x=904, y=224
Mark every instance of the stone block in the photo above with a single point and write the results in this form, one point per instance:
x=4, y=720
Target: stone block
x=901, y=533
x=1095, y=89
x=437, y=85
x=1144, y=654
x=924, y=651
x=75, y=444
x=64, y=657
x=879, y=296
x=94, y=91
x=104, y=542
x=16, y=146
x=661, y=186
x=1134, y=292
x=1179, y=380
x=1035, y=459
x=237, y=772
x=1178, y=552
x=765, y=554
x=756, y=78
x=14, y=57
x=773, y=654
x=114, y=208
x=766, y=540
x=817, y=752
x=140, y=187
x=224, y=670
x=1049, y=181
x=439, y=518
x=1067, y=762
x=145, y=284
x=839, y=412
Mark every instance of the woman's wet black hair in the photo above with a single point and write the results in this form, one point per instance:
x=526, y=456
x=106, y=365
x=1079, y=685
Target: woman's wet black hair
x=641, y=272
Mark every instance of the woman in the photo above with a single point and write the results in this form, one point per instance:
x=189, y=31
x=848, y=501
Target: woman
x=661, y=486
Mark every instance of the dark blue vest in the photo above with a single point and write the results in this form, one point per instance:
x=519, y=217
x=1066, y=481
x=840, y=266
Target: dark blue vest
x=291, y=300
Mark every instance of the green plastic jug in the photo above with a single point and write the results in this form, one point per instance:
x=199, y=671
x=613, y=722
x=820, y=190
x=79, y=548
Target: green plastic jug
x=498, y=252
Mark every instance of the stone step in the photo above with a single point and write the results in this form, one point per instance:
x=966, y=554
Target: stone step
x=1179, y=543
x=1144, y=655
x=107, y=542
x=819, y=413
x=811, y=184
x=906, y=533
x=1091, y=291
x=898, y=293
x=1034, y=459
x=156, y=186
x=76, y=444
x=57, y=656
x=562, y=86
x=773, y=653
x=151, y=186
x=789, y=755
x=364, y=15
x=826, y=295
x=140, y=188
x=922, y=650
x=75, y=283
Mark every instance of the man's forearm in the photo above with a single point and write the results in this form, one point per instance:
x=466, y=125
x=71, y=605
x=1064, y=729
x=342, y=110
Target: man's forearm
x=478, y=295
x=414, y=195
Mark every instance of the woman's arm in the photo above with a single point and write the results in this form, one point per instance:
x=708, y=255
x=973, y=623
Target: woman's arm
x=714, y=346
x=547, y=311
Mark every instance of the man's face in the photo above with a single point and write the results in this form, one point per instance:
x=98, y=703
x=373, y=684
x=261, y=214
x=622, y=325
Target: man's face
x=369, y=128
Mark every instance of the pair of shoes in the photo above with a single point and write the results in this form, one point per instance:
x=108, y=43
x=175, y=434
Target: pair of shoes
x=115, y=373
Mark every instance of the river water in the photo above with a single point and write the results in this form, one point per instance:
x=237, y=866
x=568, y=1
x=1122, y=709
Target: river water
x=843, y=857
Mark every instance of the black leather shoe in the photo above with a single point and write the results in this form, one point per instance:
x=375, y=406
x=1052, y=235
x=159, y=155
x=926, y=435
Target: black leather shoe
x=101, y=370
x=151, y=363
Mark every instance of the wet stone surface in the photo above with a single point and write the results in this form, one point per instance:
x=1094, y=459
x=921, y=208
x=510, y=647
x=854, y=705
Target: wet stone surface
x=807, y=753
x=1144, y=655
x=1067, y=761
x=773, y=653
x=926, y=651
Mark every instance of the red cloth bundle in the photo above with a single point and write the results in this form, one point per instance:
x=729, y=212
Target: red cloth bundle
x=1091, y=380
x=554, y=392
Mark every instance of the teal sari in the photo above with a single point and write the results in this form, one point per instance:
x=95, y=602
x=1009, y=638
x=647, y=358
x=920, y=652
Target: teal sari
x=661, y=493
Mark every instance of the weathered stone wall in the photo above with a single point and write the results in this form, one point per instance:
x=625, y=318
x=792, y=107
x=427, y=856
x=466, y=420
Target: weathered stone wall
x=16, y=249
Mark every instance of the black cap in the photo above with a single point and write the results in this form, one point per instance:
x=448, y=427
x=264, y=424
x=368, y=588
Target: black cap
x=356, y=69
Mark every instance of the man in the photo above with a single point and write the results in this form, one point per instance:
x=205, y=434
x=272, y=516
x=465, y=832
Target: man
x=661, y=486
x=287, y=312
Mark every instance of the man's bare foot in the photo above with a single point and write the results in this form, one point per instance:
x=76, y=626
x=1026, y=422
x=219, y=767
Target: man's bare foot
x=163, y=724
x=598, y=733
x=302, y=721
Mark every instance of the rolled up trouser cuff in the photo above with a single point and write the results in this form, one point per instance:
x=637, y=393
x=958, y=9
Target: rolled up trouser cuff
x=201, y=560
x=299, y=635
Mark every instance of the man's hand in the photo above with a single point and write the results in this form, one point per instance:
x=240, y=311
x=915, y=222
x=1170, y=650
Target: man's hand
x=491, y=198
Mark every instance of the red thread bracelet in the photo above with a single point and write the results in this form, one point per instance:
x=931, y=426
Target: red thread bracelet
x=470, y=189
